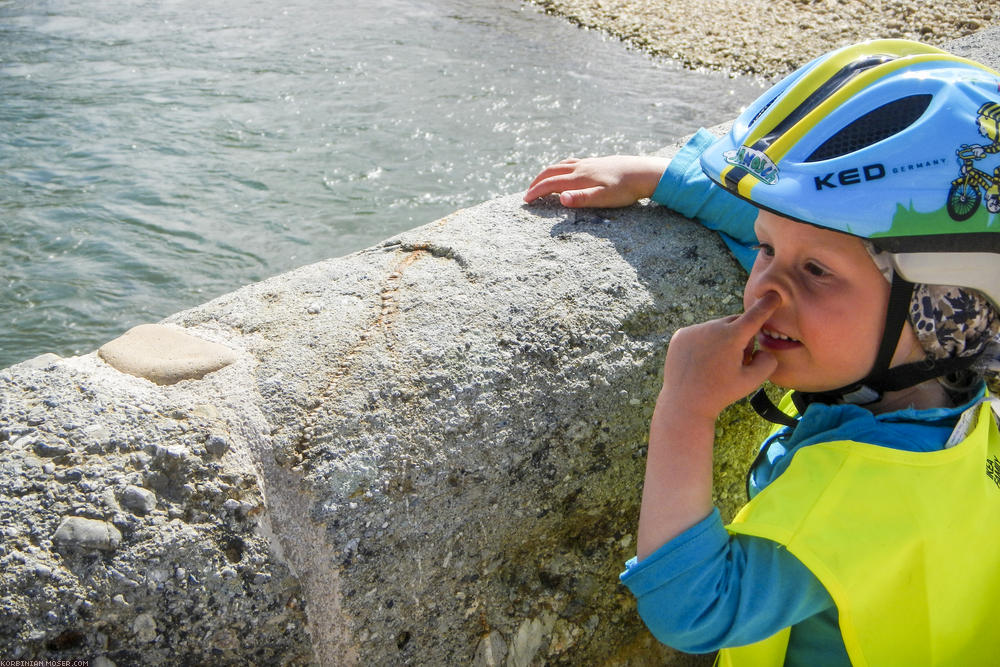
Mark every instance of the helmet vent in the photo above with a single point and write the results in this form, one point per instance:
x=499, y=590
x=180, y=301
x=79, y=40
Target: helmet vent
x=874, y=126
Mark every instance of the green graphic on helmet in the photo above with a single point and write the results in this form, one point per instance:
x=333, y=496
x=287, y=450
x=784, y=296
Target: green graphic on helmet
x=910, y=222
x=753, y=162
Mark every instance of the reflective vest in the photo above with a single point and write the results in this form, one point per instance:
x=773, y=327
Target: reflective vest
x=906, y=543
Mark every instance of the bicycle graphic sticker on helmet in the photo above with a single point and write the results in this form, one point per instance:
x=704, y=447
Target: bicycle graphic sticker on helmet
x=967, y=190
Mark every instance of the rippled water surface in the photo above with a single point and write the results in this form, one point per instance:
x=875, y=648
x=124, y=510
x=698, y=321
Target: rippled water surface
x=154, y=155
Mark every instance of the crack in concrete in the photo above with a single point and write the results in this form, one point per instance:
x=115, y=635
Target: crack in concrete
x=383, y=323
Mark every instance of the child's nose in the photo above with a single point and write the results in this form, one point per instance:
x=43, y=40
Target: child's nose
x=771, y=279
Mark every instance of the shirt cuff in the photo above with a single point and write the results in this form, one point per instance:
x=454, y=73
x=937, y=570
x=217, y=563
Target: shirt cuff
x=673, y=180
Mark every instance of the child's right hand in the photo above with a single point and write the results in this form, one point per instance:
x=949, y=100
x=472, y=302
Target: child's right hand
x=599, y=182
x=712, y=364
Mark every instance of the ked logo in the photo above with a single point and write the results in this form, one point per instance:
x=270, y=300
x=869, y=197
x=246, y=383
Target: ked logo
x=869, y=172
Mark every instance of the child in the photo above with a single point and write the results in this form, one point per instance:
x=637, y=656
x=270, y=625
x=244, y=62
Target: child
x=870, y=537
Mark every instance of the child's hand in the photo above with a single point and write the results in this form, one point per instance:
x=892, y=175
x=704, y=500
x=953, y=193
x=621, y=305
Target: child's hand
x=708, y=366
x=600, y=182
x=713, y=364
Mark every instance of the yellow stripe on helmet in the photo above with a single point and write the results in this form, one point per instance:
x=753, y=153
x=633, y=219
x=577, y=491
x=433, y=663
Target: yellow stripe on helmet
x=823, y=72
x=745, y=186
x=783, y=144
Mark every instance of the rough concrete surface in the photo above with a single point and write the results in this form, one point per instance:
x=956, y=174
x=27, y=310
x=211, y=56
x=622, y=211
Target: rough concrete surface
x=429, y=452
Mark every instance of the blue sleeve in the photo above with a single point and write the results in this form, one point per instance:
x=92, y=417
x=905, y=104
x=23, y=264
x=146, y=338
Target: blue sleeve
x=705, y=590
x=685, y=188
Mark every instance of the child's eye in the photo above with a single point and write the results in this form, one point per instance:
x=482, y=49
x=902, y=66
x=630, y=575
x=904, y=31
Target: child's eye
x=765, y=248
x=816, y=270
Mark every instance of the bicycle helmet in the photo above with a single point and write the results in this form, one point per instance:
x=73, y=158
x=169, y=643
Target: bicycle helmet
x=884, y=141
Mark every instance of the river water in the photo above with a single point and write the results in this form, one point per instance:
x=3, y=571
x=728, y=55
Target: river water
x=156, y=154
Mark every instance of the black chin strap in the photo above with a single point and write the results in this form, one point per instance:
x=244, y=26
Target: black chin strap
x=881, y=378
x=762, y=405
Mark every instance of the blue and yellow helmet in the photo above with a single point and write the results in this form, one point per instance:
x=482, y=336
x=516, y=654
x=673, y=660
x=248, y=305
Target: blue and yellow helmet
x=892, y=141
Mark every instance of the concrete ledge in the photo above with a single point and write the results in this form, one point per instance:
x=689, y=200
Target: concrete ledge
x=428, y=452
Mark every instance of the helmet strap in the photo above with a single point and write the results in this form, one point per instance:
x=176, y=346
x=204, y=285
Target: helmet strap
x=913, y=374
x=766, y=409
x=897, y=314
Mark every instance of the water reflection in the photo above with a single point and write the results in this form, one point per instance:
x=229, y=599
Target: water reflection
x=153, y=157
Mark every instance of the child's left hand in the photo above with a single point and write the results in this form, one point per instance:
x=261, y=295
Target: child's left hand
x=712, y=364
x=706, y=369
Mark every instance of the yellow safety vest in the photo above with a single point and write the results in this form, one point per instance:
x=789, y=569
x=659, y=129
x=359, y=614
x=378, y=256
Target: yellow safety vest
x=906, y=543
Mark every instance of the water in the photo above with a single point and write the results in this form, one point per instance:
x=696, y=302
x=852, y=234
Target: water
x=154, y=155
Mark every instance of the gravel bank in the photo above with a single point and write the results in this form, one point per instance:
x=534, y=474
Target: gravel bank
x=770, y=38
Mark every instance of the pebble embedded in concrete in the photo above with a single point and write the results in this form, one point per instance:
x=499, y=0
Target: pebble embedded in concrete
x=491, y=652
x=217, y=445
x=51, y=450
x=165, y=355
x=138, y=500
x=144, y=627
x=80, y=532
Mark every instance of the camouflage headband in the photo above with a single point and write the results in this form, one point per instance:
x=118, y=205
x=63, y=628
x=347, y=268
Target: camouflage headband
x=950, y=321
x=955, y=322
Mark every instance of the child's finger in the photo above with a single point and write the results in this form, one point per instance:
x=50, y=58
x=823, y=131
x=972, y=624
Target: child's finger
x=762, y=364
x=559, y=168
x=557, y=183
x=578, y=198
x=754, y=317
x=541, y=186
x=552, y=182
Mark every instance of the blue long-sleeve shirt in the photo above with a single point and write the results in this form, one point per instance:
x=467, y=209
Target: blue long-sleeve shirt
x=685, y=188
x=705, y=589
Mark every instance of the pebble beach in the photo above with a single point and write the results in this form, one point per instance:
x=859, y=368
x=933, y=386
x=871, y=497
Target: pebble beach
x=770, y=39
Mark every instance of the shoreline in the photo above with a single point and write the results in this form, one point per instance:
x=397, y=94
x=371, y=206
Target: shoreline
x=769, y=39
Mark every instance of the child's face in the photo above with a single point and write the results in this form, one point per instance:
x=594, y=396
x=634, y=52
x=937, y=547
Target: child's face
x=826, y=331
